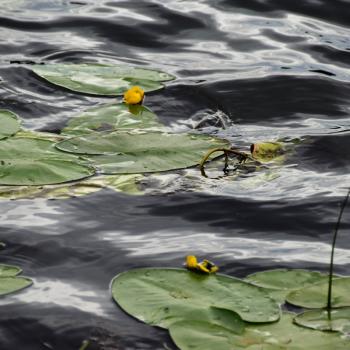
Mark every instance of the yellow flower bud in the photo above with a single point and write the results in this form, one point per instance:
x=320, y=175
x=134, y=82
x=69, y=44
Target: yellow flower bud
x=191, y=262
x=205, y=266
x=134, y=96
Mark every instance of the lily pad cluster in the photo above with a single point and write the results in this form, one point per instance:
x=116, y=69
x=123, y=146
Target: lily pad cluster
x=115, y=139
x=218, y=311
x=10, y=282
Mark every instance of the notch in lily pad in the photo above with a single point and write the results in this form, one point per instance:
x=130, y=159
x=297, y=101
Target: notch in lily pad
x=101, y=79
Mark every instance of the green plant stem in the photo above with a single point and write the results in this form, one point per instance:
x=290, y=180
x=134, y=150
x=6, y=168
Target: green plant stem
x=226, y=152
x=84, y=345
x=331, y=266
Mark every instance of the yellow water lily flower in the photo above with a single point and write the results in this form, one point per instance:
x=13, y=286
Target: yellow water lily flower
x=134, y=96
x=205, y=266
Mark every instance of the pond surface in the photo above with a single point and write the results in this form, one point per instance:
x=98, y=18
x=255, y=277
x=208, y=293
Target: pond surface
x=266, y=70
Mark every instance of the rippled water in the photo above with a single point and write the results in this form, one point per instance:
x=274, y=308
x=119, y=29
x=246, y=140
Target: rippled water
x=267, y=69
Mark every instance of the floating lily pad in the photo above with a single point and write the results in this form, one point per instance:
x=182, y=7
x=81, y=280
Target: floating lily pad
x=9, y=271
x=281, y=282
x=10, y=285
x=286, y=279
x=333, y=320
x=111, y=117
x=27, y=161
x=127, y=153
x=9, y=123
x=101, y=79
x=163, y=296
x=197, y=335
x=315, y=296
x=10, y=282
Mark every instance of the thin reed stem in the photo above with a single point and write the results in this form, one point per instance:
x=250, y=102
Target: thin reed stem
x=331, y=266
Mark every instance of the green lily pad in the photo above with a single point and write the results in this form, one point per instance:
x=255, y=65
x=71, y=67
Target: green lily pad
x=333, y=320
x=111, y=117
x=101, y=79
x=9, y=271
x=315, y=296
x=164, y=296
x=286, y=279
x=10, y=285
x=9, y=123
x=198, y=335
x=130, y=153
x=28, y=161
x=10, y=282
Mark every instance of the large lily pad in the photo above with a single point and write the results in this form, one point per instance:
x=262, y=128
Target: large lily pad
x=101, y=79
x=315, y=296
x=9, y=123
x=326, y=320
x=128, y=153
x=10, y=282
x=111, y=117
x=27, y=161
x=197, y=335
x=163, y=296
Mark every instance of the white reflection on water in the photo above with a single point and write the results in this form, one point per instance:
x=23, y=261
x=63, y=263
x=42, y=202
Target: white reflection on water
x=30, y=213
x=59, y=293
x=175, y=244
x=252, y=52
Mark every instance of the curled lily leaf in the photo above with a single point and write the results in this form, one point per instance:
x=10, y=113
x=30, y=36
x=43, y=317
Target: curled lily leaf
x=205, y=266
x=134, y=96
x=267, y=151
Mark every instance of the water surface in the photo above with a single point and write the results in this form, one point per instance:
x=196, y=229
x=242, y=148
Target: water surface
x=268, y=69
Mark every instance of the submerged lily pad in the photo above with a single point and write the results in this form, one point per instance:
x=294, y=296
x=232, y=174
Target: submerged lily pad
x=101, y=79
x=10, y=282
x=9, y=123
x=333, y=320
x=111, y=117
x=197, y=335
x=267, y=151
x=28, y=161
x=119, y=183
x=164, y=296
x=315, y=296
x=128, y=153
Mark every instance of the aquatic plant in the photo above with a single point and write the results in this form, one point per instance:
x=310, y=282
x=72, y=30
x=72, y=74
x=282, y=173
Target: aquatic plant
x=10, y=282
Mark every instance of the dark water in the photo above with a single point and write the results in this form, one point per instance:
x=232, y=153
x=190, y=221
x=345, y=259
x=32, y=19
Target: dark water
x=271, y=69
